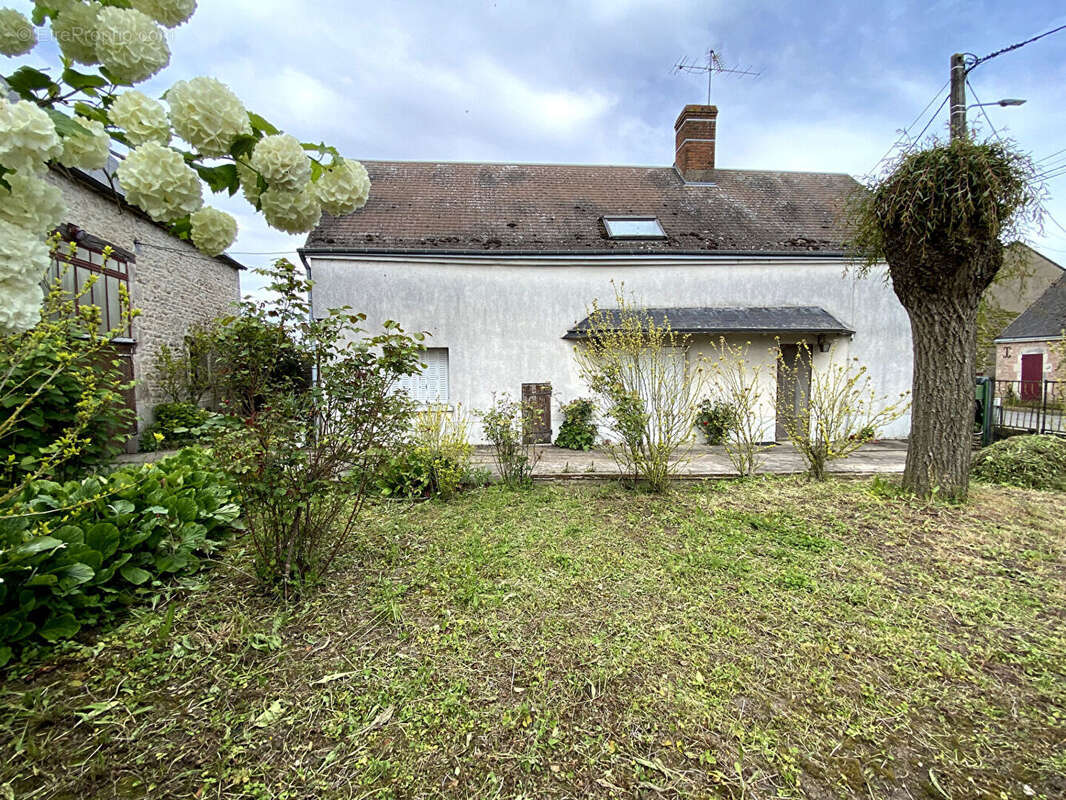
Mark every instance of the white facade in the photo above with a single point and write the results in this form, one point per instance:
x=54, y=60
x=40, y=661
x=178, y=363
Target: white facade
x=502, y=318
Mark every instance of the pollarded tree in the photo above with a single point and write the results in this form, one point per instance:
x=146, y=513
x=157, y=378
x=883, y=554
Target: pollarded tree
x=939, y=218
x=73, y=114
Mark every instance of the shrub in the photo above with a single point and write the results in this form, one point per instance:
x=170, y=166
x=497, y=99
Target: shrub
x=578, y=431
x=508, y=426
x=72, y=554
x=180, y=425
x=187, y=375
x=1031, y=462
x=307, y=454
x=435, y=462
x=62, y=410
x=715, y=419
x=840, y=413
x=739, y=382
x=646, y=389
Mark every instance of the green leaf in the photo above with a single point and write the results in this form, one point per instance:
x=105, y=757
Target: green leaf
x=5, y=655
x=261, y=125
x=104, y=537
x=243, y=146
x=67, y=126
x=220, y=179
x=185, y=508
x=135, y=575
x=59, y=627
x=75, y=575
x=26, y=80
x=83, y=82
x=38, y=545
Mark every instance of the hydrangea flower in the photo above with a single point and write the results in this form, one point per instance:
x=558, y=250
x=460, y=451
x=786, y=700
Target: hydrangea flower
x=31, y=203
x=28, y=139
x=17, y=35
x=75, y=31
x=167, y=12
x=21, y=309
x=23, y=254
x=86, y=150
x=206, y=114
x=212, y=230
x=129, y=44
x=291, y=212
x=282, y=162
x=343, y=188
x=142, y=118
x=158, y=180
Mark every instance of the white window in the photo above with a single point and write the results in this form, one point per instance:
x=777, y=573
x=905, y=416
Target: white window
x=633, y=228
x=431, y=386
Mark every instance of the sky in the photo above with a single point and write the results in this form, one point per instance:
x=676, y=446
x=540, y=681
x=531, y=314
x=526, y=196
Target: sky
x=592, y=82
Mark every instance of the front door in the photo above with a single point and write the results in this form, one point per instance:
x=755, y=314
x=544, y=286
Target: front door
x=1032, y=376
x=537, y=402
x=793, y=386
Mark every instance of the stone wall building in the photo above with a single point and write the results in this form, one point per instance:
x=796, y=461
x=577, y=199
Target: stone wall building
x=1030, y=350
x=172, y=284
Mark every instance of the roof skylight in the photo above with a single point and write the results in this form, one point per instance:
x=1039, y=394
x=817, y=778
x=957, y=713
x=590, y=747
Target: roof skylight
x=633, y=228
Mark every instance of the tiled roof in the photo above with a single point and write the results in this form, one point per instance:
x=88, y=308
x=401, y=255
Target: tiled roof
x=1044, y=319
x=554, y=208
x=760, y=319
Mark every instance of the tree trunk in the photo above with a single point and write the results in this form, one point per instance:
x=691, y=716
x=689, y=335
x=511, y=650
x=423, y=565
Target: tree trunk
x=944, y=330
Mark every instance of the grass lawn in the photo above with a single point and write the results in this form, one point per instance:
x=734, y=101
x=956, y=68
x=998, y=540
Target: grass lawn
x=735, y=640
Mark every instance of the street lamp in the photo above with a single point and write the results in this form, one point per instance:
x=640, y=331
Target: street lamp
x=1006, y=101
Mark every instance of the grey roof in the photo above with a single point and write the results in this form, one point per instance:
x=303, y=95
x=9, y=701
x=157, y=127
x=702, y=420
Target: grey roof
x=752, y=319
x=1044, y=319
x=538, y=209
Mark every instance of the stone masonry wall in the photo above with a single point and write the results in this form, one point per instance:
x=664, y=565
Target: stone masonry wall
x=1009, y=360
x=172, y=283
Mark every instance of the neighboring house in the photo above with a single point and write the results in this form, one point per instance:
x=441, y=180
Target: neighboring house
x=1030, y=349
x=501, y=262
x=1025, y=276
x=169, y=280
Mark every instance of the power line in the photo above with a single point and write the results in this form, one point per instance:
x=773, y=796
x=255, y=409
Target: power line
x=1048, y=158
x=1014, y=47
x=984, y=113
x=936, y=113
x=905, y=131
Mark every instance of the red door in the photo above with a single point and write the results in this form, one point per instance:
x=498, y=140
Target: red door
x=1032, y=376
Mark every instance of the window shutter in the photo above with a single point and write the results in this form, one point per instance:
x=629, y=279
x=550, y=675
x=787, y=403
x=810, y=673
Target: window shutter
x=431, y=386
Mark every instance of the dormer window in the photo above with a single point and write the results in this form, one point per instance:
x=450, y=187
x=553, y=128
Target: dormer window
x=633, y=228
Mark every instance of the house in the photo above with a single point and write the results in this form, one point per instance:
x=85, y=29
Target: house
x=1030, y=349
x=501, y=262
x=1025, y=276
x=168, y=279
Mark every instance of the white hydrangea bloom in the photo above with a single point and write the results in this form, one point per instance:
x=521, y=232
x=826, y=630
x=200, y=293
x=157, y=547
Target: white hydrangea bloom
x=86, y=150
x=75, y=31
x=167, y=12
x=212, y=230
x=282, y=162
x=17, y=35
x=158, y=180
x=343, y=188
x=23, y=254
x=142, y=118
x=31, y=203
x=206, y=114
x=21, y=309
x=292, y=212
x=249, y=179
x=28, y=138
x=129, y=44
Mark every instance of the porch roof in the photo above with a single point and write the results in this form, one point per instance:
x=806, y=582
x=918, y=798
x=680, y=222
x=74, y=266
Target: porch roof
x=744, y=319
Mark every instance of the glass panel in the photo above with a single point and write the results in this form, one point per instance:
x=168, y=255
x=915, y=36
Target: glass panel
x=96, y=258
x=112, y=301
x=634, y=228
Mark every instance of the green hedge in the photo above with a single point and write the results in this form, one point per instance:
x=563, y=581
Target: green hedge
x=1032, y=462
x=72, y=554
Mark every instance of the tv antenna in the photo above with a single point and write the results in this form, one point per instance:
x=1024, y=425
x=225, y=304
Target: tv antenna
x=714, y=64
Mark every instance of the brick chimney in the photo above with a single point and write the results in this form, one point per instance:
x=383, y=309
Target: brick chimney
x=694, y=136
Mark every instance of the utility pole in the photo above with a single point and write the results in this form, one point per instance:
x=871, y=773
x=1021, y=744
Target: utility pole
x=958, y=97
